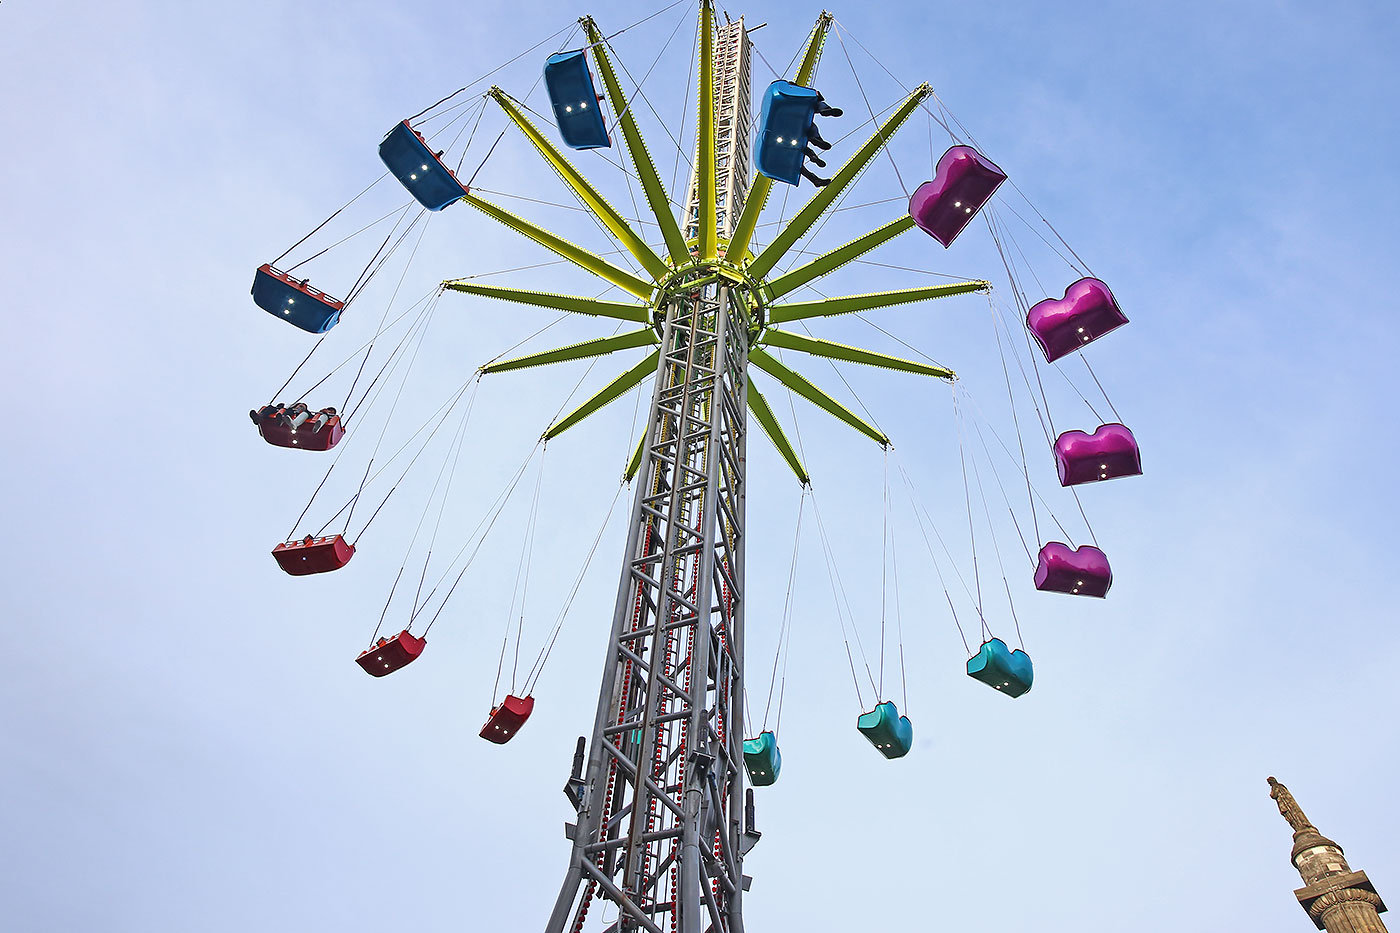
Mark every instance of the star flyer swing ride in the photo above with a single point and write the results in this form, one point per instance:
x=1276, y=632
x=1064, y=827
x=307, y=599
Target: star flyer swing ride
x=664, y=818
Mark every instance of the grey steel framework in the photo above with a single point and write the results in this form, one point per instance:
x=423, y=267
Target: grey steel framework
x=659, y=831
x=663, y=820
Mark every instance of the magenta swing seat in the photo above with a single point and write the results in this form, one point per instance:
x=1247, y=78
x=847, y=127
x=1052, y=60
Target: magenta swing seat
x=389, y=654
x=1063, y=325
x=1110, y=452
x=506, y=719
x=964, y=181
x=1081, y=571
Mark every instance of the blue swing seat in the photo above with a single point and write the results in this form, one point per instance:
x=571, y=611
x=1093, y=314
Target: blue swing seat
x=1001, y=668
x=888, y=731
x=788, y=112
x=761, y=759
x=418, y=169
x=294, y=301
x=575, y=101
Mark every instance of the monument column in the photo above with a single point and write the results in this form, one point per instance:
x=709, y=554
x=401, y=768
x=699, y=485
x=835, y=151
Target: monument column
x=1337, y=899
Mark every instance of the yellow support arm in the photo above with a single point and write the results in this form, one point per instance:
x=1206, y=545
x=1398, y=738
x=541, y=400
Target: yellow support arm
x=705, y=134
x=764, y=415
x=811, y=393
x=637, y=148
x=617, y=310
x=787, y=340
x=845, y=304
x=588, y=195
x=600, y=346
x=800, y=224
x=575, y=254
x=609, y=393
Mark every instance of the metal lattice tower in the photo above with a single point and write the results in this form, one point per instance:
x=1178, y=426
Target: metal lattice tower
x=733, y=91
x=663, y=820
x=660, y=832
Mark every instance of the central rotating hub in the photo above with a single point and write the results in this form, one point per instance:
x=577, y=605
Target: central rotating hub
x=681, y=283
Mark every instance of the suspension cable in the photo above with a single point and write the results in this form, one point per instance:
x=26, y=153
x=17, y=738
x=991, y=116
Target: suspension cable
x=884, y=564
x=314, y=347
x=1024, y=308
x=898, y=612
x=385, y=316
x=346, y=238
x=391, y=361
x=1094, y=376
x=967, y=499
x=385, y=611
x=446, y=493
x=538, y=667
x=977, y=426
x=884, y=142
x=923, y=531
x=522, y=570
x=1016, y=423
x=493, y=71
x=500, y=506
x=783, y=628
x=834, y=574
x=426, y=441
x=392, y=408
x=454, y=450
x=1012, y=457
x=349, y=359
x=326, y=221
x=996, y=548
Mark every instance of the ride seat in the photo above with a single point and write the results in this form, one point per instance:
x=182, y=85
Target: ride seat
x=419, y=169
x=963, y=182
x=999, y=667
x=762, y=760
x=1081, y=571
x=298, y=427
x=1110, y=452
x=1085, y=313
x=890, y=733
x=294, y=301
x=785, y=129
x=313, y=555
x=506, y=719
x=575, y=100
x=389, y=654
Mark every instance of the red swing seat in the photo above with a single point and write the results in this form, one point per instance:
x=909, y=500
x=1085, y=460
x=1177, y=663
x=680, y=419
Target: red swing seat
x=296, y=426
x=507, y=719
x=313, y=555
x=389, y=654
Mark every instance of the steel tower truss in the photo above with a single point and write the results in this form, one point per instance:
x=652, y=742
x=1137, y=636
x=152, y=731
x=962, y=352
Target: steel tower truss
x=663, y=822
x=659, y=831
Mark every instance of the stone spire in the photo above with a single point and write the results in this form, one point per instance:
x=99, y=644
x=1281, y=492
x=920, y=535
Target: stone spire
x=1337, y=899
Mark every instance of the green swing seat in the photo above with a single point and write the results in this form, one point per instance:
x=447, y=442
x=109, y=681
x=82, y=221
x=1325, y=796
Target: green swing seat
x=762, y=760
x=1001, y=668
x=888, y=731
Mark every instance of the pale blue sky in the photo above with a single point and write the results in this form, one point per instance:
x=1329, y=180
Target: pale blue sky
x=189, y=745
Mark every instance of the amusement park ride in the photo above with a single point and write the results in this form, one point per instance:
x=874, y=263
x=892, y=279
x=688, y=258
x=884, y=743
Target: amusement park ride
x=664, y=818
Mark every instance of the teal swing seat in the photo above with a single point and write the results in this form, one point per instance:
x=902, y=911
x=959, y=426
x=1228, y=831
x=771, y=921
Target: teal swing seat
x=888, y=731
x=762, y=760
x=999, y=667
